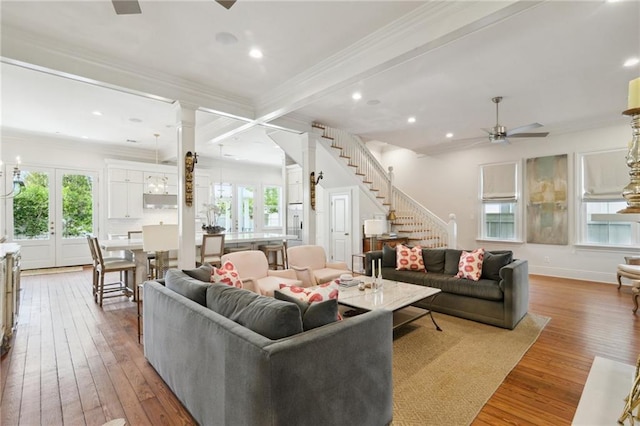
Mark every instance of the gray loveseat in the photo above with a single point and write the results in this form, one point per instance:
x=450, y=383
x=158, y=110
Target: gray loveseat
x=500, y=297
x=226, y=373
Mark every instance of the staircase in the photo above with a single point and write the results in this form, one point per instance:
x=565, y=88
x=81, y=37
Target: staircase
x=408, y=217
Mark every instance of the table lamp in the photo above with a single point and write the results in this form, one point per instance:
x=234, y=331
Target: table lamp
x=373, y=228
x=160, y=239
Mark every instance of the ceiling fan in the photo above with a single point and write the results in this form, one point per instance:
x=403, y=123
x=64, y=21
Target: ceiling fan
x=499, y=134
x=132, y=7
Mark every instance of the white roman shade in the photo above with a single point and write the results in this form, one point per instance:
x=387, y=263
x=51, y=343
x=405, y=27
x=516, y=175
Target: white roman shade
x=604, y=174
x=499, y=182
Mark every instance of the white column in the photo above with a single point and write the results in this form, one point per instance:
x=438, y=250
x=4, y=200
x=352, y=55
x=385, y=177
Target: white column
x=308, y=166
x=186, y=120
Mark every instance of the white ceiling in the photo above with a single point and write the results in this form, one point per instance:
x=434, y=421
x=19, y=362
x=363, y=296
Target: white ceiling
x=558, y=63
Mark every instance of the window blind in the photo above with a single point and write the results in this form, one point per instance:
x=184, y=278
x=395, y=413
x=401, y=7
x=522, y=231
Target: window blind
x=499, y=182
x=604, y=175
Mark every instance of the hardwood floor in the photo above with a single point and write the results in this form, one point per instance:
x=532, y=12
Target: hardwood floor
x=73, y=363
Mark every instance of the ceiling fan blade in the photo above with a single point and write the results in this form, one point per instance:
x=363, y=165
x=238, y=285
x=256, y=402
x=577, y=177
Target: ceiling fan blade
x=530, y=135
x=522, y=129
x=126, y=7
x=226, y=3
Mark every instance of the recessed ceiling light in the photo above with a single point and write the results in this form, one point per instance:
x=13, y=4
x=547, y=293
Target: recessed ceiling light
x=226, y=38
x=85, y=137
x=449, y=135
x=411, y=120
x=132, y=141
x=96, y=113
x=356, y=96
x=631, y=62
x=135, y=120
x=255, y=53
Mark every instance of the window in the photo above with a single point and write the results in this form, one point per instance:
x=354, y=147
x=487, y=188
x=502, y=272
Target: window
x=272, y=206
x=499, y=202
x=245, y=208
x=603, y=176
x=223, y=197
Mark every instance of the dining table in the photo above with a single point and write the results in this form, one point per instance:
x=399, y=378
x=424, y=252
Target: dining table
x=139, y=256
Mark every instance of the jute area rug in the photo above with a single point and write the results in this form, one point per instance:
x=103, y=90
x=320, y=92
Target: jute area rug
x=445, y=378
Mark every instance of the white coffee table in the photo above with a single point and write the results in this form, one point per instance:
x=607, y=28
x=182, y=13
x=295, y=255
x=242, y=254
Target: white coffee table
x=393, y=296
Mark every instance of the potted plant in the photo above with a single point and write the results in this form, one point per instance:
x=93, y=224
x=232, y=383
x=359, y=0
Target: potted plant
x=211, y=212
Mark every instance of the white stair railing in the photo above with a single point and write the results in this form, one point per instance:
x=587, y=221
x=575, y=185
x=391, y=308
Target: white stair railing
x=413, y=220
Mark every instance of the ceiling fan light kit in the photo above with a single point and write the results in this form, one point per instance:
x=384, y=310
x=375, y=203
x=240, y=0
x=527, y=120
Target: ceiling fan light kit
x=499, y=134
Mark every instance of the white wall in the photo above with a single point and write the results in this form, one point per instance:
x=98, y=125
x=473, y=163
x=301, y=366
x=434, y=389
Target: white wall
x=448, y=183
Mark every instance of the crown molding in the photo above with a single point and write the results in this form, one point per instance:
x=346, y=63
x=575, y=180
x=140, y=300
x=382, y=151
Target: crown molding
x=424, y=29
x=46, y=55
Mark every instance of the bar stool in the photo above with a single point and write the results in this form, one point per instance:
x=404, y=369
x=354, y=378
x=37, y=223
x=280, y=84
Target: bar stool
x=236, y=249
x=276, y=249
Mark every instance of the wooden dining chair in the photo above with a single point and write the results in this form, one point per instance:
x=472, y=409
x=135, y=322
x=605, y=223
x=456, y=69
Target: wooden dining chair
x=212, y=249
x=150, y=256
x=103, y=266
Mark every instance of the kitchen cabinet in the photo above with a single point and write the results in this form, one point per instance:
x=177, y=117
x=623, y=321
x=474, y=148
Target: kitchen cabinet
x=125, y=193
x=10, y=288
x=294, y=185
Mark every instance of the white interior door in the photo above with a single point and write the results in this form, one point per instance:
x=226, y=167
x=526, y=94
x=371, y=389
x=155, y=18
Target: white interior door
x=340, y=227
x=51, y=215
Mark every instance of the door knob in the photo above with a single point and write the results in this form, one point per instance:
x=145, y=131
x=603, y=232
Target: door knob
x=346, y=233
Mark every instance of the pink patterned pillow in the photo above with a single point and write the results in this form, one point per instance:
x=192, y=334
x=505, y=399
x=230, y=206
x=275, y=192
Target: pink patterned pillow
x=409, y=258
x=470, y=265
x=317, y=293
x=226, y=275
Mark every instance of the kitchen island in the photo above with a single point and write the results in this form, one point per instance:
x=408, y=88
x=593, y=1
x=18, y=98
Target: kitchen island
x=139, y=256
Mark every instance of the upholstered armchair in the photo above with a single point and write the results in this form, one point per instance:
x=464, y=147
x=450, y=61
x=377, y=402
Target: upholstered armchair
x=253, y=268
x=311, y=266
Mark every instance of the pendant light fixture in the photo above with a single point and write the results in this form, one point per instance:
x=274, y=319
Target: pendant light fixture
x=157, y=184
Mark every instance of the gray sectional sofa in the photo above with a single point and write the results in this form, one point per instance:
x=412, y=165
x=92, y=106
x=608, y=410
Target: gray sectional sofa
x=500, y=297
x=207, y=341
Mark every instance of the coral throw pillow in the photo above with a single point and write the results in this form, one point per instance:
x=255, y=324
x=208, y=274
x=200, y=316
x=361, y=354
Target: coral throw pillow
x=409, y=258
x=317, y=293
x=470, y=265
x=227, y=274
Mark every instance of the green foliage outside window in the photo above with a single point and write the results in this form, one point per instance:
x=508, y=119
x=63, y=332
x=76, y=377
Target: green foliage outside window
x=31, y=207
x=77, y=205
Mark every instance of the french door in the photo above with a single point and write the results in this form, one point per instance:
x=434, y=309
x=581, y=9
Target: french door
x=340, y=226
x=51, y=214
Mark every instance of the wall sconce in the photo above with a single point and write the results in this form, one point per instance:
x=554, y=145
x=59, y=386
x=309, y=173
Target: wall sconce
x=319, y=177
x=190, y=161
x=313, y=182
x=18, y=182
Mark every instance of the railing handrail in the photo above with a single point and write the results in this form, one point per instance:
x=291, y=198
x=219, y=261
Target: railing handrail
x=360, y=157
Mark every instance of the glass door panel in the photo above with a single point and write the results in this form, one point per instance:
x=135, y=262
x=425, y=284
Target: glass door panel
x=246, y=208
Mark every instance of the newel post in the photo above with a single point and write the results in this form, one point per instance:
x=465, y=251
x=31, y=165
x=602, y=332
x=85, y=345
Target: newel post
x=452, y=231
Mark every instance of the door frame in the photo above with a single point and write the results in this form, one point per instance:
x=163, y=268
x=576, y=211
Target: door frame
x=352, y=245
x=56, y=245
